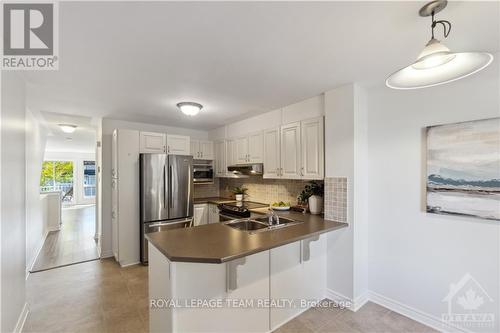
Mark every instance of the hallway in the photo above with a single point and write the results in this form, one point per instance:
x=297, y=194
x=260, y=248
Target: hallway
x=72, y=244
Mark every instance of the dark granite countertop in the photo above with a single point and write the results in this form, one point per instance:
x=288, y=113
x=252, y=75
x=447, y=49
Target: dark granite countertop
x=218, y=243
x=212, y=200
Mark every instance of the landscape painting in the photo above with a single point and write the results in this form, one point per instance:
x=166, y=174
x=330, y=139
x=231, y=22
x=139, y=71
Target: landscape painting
x=463, y=169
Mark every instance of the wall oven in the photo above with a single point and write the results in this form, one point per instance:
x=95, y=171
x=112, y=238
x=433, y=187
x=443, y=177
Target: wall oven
x=203, y=172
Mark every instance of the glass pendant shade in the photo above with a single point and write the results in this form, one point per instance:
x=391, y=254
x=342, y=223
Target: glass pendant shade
x=437, y=65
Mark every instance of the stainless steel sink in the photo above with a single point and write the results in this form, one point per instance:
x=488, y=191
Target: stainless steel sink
x=283, y=220
x=260, y=224
x=247, y=225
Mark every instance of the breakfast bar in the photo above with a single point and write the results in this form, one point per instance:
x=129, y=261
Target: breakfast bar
x=219, y=278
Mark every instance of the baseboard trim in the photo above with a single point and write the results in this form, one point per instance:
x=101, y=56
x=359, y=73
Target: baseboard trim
x=29, y=268
x=129, y=264
x=22, y=319
x=106, y=254
x=412, y=313
x=360, y=301
x=340, y=299
x=395, y=306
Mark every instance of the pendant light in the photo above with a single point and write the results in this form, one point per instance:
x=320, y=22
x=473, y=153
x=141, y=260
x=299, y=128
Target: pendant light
x=436, y=64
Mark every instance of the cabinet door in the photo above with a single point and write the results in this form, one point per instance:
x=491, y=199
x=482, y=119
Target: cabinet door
x=200, y=214
x=152, y=142
x=195, y=149
x=272, y=153
x=314, y=267
x=178, y=144
x=213, y=213
x=290, y=151
x=114, y=218
x=286, y=282
x=230, y=152
x=255, y=148
x=312, y=149
x=220, y=158
x=242, y=150
x=206, y=150
x=128, y=189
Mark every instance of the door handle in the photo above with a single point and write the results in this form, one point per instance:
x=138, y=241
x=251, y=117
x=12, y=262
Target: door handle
x=165, y=186
x=170, y=186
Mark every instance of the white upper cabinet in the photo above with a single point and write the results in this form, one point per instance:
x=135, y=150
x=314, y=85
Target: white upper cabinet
x=242, y=150
x=178, y=144
x=271, y=156
x=290, y=151
x=249, y=149
x=220, y=158
x=255, y=148
x=207, y=150
x=194, y=148
x=202, y=150
x=230, y=152
x=312, y=143
x=295, y=151
x=151, y=142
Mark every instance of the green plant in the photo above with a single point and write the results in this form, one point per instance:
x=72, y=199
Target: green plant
x=313, y=188
x=239, y=190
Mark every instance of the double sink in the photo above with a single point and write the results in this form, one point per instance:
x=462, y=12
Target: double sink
x=260, y=224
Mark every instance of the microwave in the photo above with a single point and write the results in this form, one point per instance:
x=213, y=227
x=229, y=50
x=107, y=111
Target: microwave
x=203, y=172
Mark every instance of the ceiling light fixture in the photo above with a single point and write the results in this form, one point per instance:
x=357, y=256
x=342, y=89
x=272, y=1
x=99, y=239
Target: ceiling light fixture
x=66, y=128
x=436, y=64
x=190, y=108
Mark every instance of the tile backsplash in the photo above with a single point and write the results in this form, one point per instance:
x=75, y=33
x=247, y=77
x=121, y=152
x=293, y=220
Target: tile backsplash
x=336, y=199
x=264, y=190
x=207, y=190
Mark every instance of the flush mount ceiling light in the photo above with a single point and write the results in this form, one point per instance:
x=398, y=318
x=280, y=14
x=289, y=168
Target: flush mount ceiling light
x=190, y=108
x=66, y=128
x=436, y=64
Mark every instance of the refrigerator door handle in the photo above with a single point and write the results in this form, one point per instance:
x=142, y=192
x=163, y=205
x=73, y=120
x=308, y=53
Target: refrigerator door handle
x=170, y=186
x=189, y=189
x=164, y=186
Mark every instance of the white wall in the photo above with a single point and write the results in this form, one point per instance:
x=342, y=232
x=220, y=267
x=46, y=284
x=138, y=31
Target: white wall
x=77, y=158
x=12, y=205
x=415, y=256
x=309, y=108
x=108, y=125
x=36, y=229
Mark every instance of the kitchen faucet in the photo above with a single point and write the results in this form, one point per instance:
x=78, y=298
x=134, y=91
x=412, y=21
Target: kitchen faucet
x=273, y=218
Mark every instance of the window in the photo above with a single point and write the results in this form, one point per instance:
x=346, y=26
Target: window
x=89, y=179
x=57, y=176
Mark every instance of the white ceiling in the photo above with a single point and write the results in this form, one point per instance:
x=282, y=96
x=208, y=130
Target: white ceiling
x=82, y=140
x=135, y=61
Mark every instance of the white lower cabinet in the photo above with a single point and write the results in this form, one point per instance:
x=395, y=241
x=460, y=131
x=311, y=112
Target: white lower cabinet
x=200, y=214
x=232, y=291
x=213, y=213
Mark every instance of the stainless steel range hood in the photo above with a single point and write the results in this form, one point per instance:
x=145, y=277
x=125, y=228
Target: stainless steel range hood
x=245, y=170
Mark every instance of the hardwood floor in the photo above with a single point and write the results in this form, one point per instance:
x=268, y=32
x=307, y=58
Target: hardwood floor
x=99, y=296
x=73, y=243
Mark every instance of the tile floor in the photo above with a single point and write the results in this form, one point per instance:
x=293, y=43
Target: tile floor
x=99, y=296
x=73, y=243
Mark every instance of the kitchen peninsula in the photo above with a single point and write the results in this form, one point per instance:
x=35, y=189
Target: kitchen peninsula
x=215, y=278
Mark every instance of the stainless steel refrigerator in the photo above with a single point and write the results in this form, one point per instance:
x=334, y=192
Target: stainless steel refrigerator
x=166, y=194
